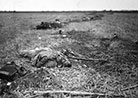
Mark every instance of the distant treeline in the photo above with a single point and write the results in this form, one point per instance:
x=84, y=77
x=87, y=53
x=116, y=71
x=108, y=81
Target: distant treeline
x=103, y=11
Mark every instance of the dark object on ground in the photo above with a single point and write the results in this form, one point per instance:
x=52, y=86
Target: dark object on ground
x=10, y=72
x=52, y=62
x=136, y=43
x=86, y=18
x=57, y=21
x=97, y=17
x=60, y=32
x=49, y=25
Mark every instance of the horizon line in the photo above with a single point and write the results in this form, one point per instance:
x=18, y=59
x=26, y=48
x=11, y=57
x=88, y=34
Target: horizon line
x=72, y=11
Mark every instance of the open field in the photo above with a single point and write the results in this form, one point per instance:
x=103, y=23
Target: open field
x=112, y=37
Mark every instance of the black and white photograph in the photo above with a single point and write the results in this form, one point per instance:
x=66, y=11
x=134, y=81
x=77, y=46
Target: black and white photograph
x=68, y=48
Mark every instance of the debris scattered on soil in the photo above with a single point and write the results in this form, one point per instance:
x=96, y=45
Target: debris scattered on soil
x=49, y=25
x=100, y=66
x=86, y=18
x=48, y=57
x=8, y=74
x=11, y=71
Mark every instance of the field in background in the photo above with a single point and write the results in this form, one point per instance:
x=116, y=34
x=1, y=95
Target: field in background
x=88, y=38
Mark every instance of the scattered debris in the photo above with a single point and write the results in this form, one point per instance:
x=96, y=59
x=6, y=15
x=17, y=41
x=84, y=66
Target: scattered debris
x=86, y=18
x=8, y=74
x=11, y=71
x=96, y=17
x=47, y=58
x=52, y=58
x=49, y=25
x=58, y=71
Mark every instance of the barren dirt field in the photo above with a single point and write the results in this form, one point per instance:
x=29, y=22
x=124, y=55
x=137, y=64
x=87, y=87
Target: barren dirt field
x=70, y=55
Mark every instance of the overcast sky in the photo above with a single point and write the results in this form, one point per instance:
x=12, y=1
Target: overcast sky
x=67, y=5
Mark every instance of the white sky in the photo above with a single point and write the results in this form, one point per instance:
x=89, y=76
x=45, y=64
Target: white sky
x=67, y=5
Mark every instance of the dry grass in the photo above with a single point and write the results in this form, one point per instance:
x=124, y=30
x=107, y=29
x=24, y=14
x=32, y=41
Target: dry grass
x=117, y=76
